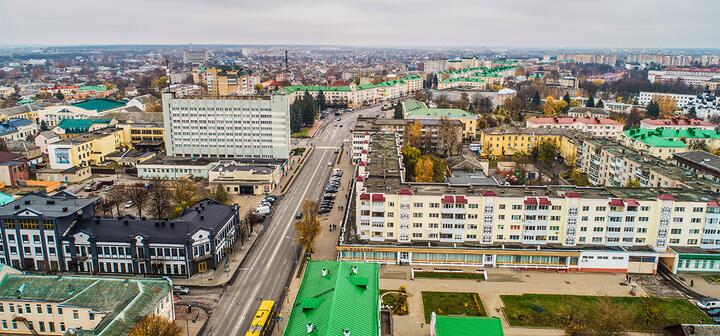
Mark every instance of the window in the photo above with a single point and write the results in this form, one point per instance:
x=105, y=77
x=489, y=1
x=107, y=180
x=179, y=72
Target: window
x=76, y=315
x=675, y=231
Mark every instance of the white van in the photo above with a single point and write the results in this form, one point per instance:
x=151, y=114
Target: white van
x=263, y=210
x=708, y=303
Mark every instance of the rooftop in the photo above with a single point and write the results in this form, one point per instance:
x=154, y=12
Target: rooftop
x=570, y=120
x=677, y=122
x=467, y=326
x=46, y=206
x=125, y=301
x=100, y=104
x=705, y=159
x=663, y=137
x=336, y=296
x=77, y=126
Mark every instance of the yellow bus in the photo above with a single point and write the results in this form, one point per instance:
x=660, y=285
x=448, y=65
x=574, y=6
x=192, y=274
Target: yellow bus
x=261, y=321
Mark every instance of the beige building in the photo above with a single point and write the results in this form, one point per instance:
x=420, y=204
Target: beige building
x=62, y=305
x=247, y=179
x=230, y=82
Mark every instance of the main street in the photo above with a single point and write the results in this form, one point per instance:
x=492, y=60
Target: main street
x=273, y=257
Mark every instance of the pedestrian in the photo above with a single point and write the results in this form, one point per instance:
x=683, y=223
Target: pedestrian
x=692, y=283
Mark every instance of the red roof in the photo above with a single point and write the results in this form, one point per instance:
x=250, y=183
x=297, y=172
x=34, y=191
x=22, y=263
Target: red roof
x=461, y=199
x=572, y=194
x=489, y=194
x=713, y=204
x=448, y=199
x=531, y=201
x=364, y=151
x=362, y=163
x=405, y=192
x=378, y=198
x=569, y=121
x=631, y=202
x=364, y=197
x=616, y=202
x=544, y=201
x=360, y=178
x=666, y=197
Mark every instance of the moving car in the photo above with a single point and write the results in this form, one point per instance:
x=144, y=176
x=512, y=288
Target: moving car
x=708, y=303
x=298, y=215
x=329, y=163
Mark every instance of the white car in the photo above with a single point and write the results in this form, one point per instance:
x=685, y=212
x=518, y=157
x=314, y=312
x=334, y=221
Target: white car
x=329, y=163
x=181, y=290
x=128, y=204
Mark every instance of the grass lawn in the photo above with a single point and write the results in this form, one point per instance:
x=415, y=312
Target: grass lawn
x=298, y=151
x=302, y=133
x=450, y=275
x=446, y=303
x=539, y=310
x=713, y=279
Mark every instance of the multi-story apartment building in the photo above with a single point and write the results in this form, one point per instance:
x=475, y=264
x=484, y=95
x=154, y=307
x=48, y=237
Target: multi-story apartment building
x=17, y=129
x=690, y=76
x=79, y=305
x=597, y=127
x=504, y=141
x=85, y=149
x=430, y=133
x=609, y=59
x=700, y=163
x=681, y=100
x=227, y=81
x=663, y=143
x=557, y=227
x=195, y=56
x=676, y=123
x=92, y=108
x=354, y=95
x=61, y=233
x=608, y=163
x=256, y=127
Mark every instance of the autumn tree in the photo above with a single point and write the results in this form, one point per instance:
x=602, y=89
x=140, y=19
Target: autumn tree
x=439, y=169
x=549, y=106
x=412, y=133
x=159, y=200
x=410, y=157
x=116, y=197
x=220, y=194
x=309, y=226
x=155, y=325
x=447, y=136
x=667, y=106
x=184, y=193
x=139, y=196
x=633, y=119
x=633, y=183
x=424, y=169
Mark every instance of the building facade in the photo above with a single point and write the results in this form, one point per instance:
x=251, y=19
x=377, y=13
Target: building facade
x=255, y=127
x=597, y=127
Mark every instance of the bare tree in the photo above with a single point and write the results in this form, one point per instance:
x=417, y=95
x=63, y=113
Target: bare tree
x=117, y=197
x=159, y=200
x=139, y=196
x=447, y=135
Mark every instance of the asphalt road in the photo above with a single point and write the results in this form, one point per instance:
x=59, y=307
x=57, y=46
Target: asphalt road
x=273, y=256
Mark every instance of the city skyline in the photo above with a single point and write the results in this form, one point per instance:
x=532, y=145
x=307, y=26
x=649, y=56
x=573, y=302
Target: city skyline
x=522, y=23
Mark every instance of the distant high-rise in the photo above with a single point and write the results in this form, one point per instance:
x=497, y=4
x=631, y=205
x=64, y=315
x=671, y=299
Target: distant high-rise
x=244, y=127
x=195, y=56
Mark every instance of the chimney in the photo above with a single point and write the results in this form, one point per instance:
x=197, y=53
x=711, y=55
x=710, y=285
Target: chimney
x=346, y=332
x=310, y=328
x=354, y=269
x=325, y=272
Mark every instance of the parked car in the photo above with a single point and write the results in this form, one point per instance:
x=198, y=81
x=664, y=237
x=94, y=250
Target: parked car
x=708, y=303
x=328, y=196
x=329, y=163
x=128, y=204
x=181, y=290
x=267, y=204
x=272, y=198
x=298, y=215
x=323, y=210
x=262, y=210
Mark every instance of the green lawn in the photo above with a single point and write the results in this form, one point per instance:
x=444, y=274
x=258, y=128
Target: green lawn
x=447, y=303
x=302, y=133
x=544, y=310
x=298, y=151
x=450, y=275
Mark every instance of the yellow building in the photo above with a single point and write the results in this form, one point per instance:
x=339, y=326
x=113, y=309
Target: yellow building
x=225, y=81
x=86, y=149
x=505, y=141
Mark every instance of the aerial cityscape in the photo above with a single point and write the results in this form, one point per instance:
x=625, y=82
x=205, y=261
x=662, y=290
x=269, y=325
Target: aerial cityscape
x=336, y=168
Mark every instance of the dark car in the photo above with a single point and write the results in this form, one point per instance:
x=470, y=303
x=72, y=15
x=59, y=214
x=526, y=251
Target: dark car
x=328, y=196
x=298, y=215
x=323, y=210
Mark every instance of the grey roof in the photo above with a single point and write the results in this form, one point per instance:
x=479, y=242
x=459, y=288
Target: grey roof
x=49, y=134
x=702, y=158
x=231, y=166
x=136, y=116
x=582, y=109
x=206, y=214
x=46, y=206
x=11, y=111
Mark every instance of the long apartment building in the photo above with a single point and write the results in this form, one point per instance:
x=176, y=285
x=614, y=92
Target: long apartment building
x=62, y=234
x=677, y=123
x=663, y=143
x=248, y=127
x=504, y=141
x=690, y=76
x=681, y=100
x=608, y=163
x=597, y=127
x=558, y=227
x=354, y=95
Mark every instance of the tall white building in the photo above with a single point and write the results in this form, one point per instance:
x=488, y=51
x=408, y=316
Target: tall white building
x=250, y=127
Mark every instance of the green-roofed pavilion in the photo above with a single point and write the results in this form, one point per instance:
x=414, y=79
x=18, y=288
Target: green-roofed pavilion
x=467, y=326
x=78, y=126
x=335, y=296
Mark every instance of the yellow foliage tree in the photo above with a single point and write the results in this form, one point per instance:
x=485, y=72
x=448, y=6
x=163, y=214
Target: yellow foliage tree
x=424, y=170
x=155, y=325
x=549, y=106
x=667, y=106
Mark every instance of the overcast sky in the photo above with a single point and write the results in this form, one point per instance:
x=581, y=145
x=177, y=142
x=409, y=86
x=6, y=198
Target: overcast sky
x=514, y=23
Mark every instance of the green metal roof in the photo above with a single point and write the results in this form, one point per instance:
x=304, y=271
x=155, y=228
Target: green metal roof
x=662, y=137
x=100, y=104
x=467, y=326
x=126, y=301
x=339, y=300
x=695, y=256
x=77, y=126
x=98, y=88
x=5, y=198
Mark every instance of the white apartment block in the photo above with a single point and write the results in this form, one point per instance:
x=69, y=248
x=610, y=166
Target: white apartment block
x=516, y=226
x=255, y=127
x=681, y=100
x=693, y=77
x=676, y=123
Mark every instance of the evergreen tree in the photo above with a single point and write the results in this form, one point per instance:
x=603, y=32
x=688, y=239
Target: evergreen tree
x=692, y=114
x=590, y=102
x=321, y=100
x=435, y=81
x=653, y=109
x=600, y=104
x=308, y=109
x=296, y=116
x=60, y=95
x=398, y=111
x=536, y=100
x=43, y=126
x=566, y=98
